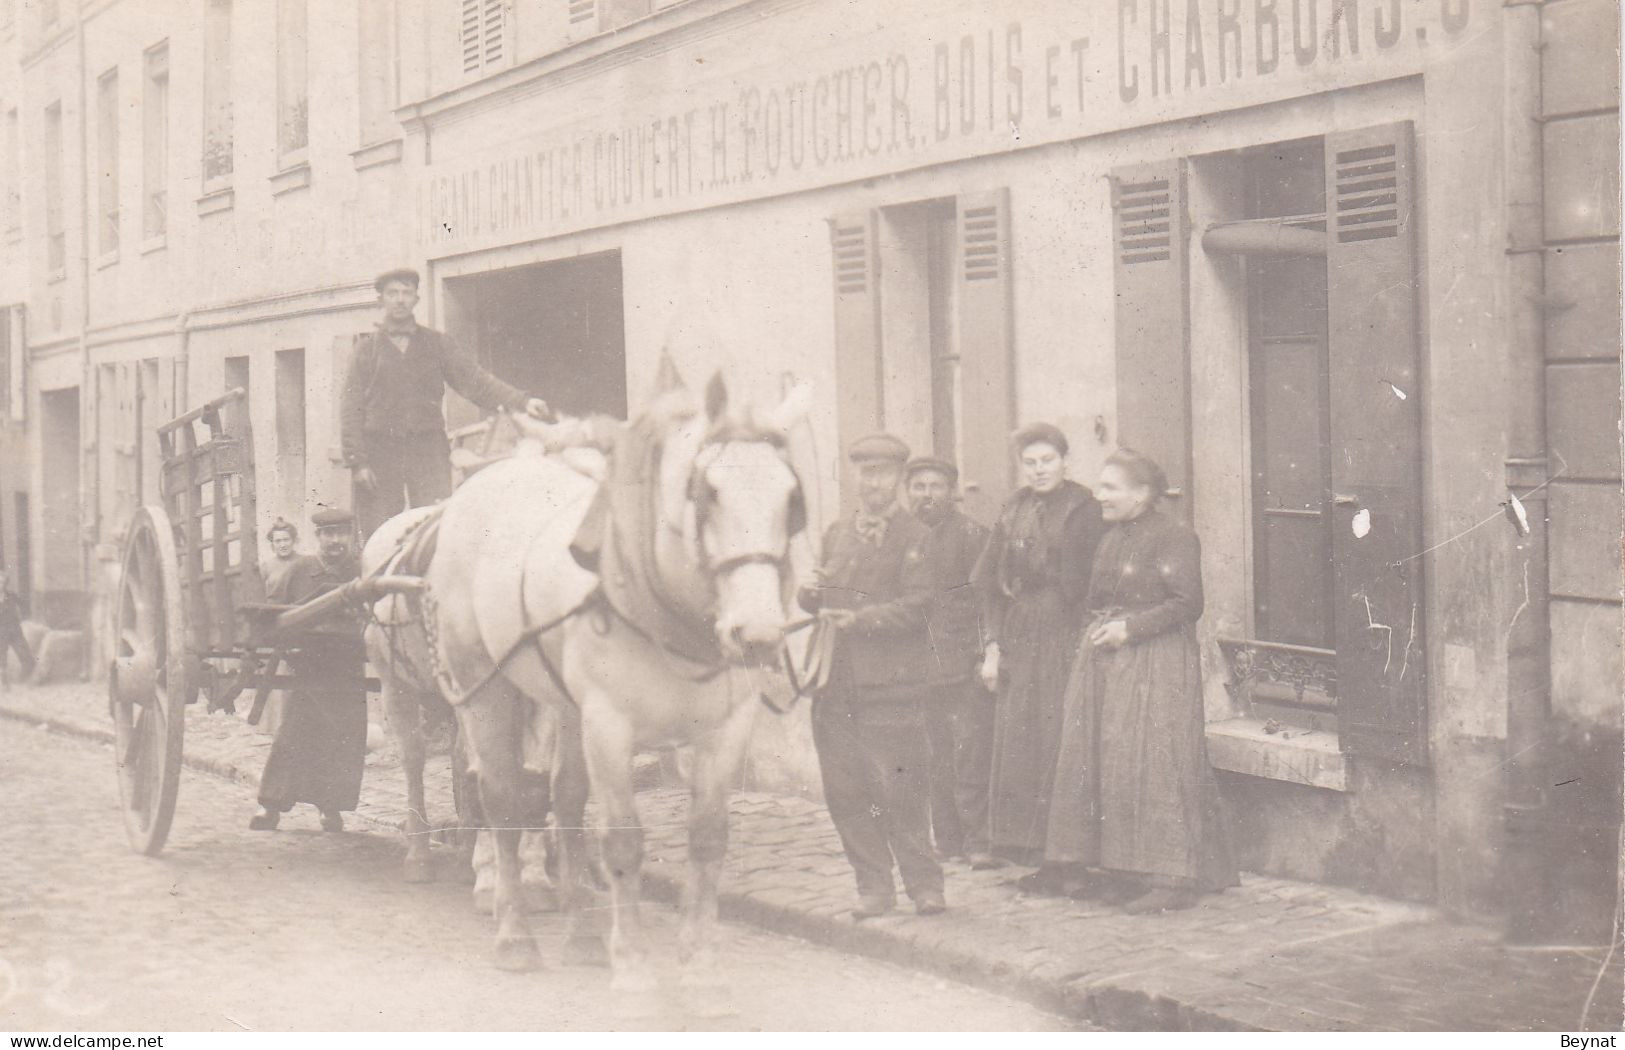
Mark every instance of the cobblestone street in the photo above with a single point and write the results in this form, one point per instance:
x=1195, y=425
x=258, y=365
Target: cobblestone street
x=226, y=922
x=300, y=930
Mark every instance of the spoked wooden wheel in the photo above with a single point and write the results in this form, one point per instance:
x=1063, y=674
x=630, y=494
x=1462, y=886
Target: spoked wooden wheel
x=150, y=681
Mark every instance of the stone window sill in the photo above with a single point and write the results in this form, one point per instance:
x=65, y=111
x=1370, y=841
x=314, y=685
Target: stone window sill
x=1299, y=756
x=217, y=201
x=295, y=178
x=14, y=235
x=57, y=276
x=156, y=242
x=378, y=154
x=107, y=259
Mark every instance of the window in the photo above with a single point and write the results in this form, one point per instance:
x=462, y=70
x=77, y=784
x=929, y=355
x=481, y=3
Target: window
x=293, y=88
x=377, y=71
x=217, y=118
x=12, y=218
x=56, y=236
x=50, y=13
x=290, y=431
x=107, y=160
x=481, y=33
x=155, y=144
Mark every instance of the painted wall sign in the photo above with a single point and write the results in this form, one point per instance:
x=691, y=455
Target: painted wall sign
x=930, y=90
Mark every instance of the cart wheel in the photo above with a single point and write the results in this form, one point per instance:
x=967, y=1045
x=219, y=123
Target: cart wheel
x=151, y=680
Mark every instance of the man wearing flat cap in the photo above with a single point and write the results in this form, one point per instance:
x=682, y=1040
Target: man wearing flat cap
x=874, y=589
x=393, y=431
x=959, y=720
x=321, y=740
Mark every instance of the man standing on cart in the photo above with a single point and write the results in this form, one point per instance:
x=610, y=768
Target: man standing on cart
x=393, y=432
x=321, y=742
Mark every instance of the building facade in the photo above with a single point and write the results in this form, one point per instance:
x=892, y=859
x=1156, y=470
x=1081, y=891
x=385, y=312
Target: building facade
x=1348, y=269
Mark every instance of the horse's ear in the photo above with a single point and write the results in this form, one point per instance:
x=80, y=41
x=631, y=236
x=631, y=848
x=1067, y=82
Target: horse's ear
x=667, y=378
x=793, y=409
x=716, y=398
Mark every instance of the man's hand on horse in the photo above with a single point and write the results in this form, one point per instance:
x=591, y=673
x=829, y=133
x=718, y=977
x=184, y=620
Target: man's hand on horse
x=365, y=479
x=536, y=408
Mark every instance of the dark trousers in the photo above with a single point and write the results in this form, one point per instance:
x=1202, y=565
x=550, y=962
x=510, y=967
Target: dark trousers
x=11, y=639
x=874, y=760
x=959, y=725
x=413, y=470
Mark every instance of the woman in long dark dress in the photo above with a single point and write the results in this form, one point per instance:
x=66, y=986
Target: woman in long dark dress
x=1033, y=576
x=1134, y=793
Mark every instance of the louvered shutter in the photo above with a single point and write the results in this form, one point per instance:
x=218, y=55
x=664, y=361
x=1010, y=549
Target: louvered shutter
x=857, y=333
x=1372, y=323
x=582, y=16
x=986, y=374
x=482, y=31
x=1153, y=321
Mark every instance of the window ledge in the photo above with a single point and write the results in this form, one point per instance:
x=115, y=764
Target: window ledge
x=217, y=201
x=106, y=259
x=1298, y=756
x=156, y=242
x=378, y=154
x=14, y=235
x=57, y=276
x=295, y=178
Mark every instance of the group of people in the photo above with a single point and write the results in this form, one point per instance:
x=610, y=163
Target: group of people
x=1029, y=695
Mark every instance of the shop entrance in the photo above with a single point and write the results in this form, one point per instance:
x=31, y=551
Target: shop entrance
x=555, y=329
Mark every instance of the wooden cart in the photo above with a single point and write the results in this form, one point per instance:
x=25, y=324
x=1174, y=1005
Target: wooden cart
x=190, y=617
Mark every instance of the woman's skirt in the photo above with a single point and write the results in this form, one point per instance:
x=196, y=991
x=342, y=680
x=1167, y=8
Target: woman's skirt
x=1035, y=651
x=1133, y=788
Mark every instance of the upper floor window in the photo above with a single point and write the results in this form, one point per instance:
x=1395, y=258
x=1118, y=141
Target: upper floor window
x=12, y=174
x=378, y=71
x=293, y=87
x=50, y=13
x=155, y=143
x=56, y=234
x=107, y=134
x=217, y=116
x=483, y=34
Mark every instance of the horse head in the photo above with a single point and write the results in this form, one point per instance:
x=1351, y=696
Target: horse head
x=740, y=501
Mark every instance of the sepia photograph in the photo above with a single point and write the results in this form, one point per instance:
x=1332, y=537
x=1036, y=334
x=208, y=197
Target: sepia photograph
x=582, y=516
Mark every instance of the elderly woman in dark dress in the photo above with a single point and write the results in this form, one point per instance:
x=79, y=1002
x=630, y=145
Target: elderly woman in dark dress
x=1033, y=576
x=1134, y=794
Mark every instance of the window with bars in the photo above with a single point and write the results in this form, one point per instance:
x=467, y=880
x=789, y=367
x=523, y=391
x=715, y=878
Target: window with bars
x=482, y=34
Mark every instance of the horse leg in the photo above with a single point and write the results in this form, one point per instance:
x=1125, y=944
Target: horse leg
x=404, y=712
x=488, y=722
x=536, y=795
x=585, y=946
x=607, y=740
x=717, y=759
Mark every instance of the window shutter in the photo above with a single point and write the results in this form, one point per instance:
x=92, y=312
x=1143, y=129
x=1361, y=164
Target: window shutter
x=1372, y=324
x=583, y=18
x=857, y=333
x=986, y=374
x=482, y=32
x=1153, y=321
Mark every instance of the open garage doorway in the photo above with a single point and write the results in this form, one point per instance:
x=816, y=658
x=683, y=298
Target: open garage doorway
x=555, y=329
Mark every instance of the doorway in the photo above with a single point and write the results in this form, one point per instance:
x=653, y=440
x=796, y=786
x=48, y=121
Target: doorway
x=554, y=329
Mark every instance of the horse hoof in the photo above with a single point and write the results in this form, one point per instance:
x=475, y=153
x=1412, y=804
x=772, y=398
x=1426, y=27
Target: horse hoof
x=585, y=951
x=518, y=955
x=419, y=869
x=485, y=899
x=539, y=897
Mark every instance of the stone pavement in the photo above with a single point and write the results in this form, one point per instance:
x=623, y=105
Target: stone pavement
x=1272, y=954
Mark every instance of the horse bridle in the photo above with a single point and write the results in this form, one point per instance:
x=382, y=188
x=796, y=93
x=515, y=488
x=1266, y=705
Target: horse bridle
x=701, y=494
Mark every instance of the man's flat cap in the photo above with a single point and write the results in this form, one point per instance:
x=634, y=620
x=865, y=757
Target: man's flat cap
x=405, y=275
x=878, y=448
x=941, y=466
x=331, y=517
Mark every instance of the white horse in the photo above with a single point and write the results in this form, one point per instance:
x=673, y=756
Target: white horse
x=551, y=672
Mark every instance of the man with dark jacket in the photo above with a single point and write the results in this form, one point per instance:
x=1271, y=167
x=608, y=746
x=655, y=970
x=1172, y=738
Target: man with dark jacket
x=392, y=429
x=959, y=722
x=874, y=589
